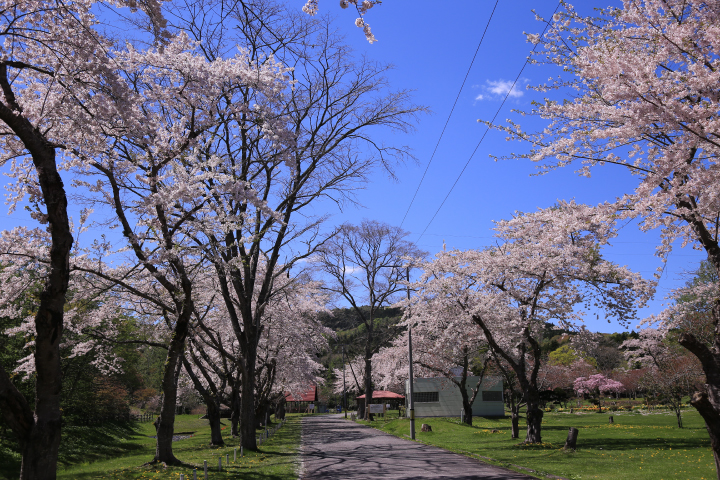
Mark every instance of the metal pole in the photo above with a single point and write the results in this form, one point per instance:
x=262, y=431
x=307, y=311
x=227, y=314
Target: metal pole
x=411, y=380
x=344, y=392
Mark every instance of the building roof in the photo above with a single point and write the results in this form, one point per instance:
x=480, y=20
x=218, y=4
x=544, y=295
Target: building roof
x=309, y=395
x=384, y=394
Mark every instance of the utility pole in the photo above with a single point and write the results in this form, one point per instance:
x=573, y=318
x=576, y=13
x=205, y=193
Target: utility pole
x=344, y=390
x=411, y=405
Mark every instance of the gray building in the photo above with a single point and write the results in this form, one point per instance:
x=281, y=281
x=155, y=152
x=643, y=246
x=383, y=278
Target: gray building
x=440, y=397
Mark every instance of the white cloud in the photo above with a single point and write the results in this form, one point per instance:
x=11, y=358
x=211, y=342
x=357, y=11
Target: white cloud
x=502, y=87
x=498, y=89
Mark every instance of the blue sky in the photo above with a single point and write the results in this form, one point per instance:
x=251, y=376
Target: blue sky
x=431, y=46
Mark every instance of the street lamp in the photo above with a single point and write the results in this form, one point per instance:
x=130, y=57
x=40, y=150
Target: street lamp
x=344, y=391
x=411, y=404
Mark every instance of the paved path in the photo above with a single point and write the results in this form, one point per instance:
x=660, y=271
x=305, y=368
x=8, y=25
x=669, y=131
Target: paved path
x=335, y=448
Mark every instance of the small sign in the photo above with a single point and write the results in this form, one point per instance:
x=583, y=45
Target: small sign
x=377, y=408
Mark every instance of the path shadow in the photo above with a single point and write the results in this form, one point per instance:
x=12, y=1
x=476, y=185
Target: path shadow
x=338, y=449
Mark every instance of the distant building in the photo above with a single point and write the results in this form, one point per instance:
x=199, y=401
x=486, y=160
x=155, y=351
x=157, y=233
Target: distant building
x=440, y=397
x=386, y=398
x=305, y=401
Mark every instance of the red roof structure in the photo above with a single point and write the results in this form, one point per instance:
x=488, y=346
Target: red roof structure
x=309, y=395
x=385, y=395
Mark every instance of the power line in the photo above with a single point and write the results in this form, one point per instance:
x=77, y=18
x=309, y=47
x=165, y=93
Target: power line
x=487, y=129
x=450, y=114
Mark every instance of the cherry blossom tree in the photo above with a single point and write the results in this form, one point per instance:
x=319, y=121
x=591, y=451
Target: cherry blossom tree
x=52, y=56
x=367, y=265
x=645, y=97
x=361, y=6
x=547, y=266
x=334, y=104
x=291, y=339
x=669, y=373
x=554, y=376
x=154, y=177
x=444, y=345
x=595, y=386
x=631, y=379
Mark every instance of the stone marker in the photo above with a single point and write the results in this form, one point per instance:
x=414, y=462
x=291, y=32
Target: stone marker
x=571, y=442
x=425, y=428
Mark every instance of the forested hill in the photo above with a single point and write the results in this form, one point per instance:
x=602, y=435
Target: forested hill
x=351, y=332
x=348, y=319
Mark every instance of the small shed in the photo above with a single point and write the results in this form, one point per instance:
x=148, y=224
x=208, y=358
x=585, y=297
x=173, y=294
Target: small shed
x=384, y=397
x=440, y=397
x=303, y=402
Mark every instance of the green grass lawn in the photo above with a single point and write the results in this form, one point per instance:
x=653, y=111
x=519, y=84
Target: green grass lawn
x=636, y=446
x=119, y=452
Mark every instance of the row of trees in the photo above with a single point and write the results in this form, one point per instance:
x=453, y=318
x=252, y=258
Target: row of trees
x=204, y=134
x=210, y=162
x=644, y=89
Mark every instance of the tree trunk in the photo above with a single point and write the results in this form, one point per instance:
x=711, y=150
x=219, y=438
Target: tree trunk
x=361, y=410
x=515, y=420
x=571, y=442
x=678, y=414
x=467, y=407
x=261, y=411
x=166, y=421
x=280, y=413
x=707, y=402
x=534, y=422
x=468, y=414
x=210, y=397
x=213, y=414
x=39, y=431
x=701, y=401
x=235, y=412
x=247, y=400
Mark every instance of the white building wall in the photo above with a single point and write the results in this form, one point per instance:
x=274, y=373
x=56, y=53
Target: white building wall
x=449, y=402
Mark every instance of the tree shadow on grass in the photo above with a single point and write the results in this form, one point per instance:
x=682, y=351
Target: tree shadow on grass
x=616, y=444
x=88, y=444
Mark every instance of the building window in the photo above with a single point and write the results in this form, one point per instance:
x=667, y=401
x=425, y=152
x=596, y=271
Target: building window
x=492, y=396
x=426, y=397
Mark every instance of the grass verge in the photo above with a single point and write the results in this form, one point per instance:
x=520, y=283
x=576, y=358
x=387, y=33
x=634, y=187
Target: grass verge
x=119, y=452
x=637, y=446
